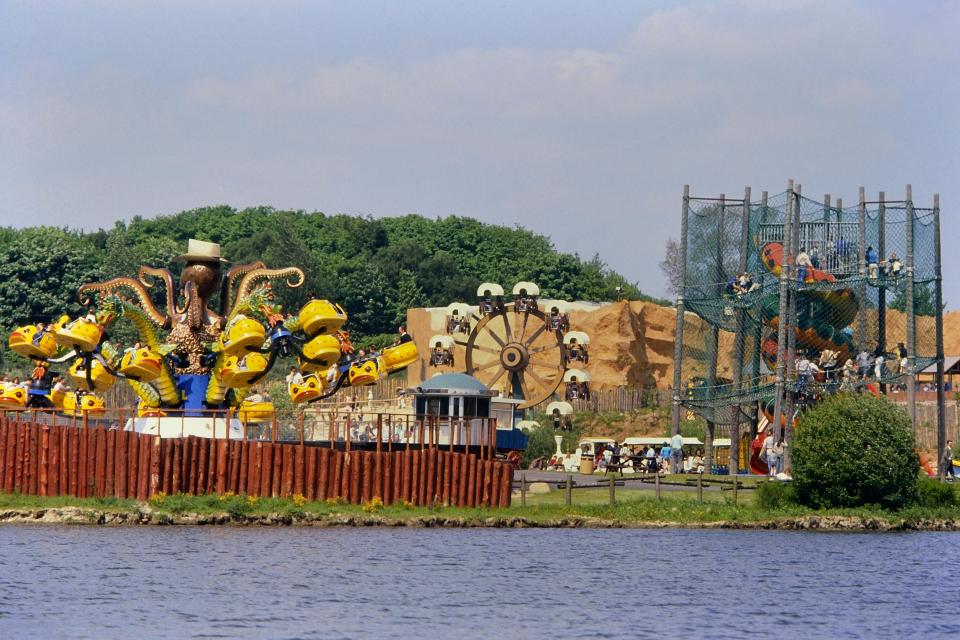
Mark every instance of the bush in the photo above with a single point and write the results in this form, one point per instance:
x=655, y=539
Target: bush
x=854, y=450
x=933, y=493
x=540, y=442
x=775, y=495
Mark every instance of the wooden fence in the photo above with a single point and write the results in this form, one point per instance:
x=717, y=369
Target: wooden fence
x=44, y=460
x=623, y=399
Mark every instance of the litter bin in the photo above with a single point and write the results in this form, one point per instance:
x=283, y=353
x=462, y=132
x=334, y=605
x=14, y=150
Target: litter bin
x=586, y=465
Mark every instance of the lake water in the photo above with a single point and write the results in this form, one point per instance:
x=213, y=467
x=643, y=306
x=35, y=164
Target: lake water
x=177, y=582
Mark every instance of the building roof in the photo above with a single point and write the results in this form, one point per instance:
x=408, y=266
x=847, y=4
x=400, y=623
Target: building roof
x=951, y=364
x=452, y=383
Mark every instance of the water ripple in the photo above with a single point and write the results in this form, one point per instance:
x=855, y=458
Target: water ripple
x=83, y=582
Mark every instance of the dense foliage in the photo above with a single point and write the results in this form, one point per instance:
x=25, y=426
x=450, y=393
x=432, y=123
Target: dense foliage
x=541, y=443
x=855, y=450
x=376, y=268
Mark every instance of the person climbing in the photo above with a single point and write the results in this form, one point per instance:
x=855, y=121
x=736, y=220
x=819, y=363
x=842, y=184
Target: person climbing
x=894, y=266
x=803, y=265
x=873, y=262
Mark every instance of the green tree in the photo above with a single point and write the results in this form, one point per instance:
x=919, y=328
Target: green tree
x=40, y=272
x=854, y=450
x=924, y=299
x=406, y=295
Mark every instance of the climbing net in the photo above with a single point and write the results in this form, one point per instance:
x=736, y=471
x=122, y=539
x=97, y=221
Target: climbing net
x=847, y=322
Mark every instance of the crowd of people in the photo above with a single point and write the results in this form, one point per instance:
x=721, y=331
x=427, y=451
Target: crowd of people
x=668, y=457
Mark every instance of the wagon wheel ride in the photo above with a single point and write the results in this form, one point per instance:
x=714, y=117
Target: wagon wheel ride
x=512, y=347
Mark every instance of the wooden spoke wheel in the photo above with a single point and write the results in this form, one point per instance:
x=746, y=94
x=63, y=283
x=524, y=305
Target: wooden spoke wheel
x=516, y=352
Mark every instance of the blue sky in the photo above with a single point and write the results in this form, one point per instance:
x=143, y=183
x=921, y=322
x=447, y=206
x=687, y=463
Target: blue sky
x=580, y=120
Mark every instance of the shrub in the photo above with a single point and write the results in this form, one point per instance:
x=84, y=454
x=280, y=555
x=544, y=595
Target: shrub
x=776, y=495
x=855, y=450
x=933, y=493
x=540, y=442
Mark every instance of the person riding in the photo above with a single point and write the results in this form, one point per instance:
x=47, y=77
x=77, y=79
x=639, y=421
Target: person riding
x=294, y=377
x=41, y=331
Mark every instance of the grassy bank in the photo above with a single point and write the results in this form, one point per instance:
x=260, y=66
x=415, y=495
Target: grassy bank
x=638, y=508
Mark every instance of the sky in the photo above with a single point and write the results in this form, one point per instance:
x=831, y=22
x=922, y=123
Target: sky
x=578, y=120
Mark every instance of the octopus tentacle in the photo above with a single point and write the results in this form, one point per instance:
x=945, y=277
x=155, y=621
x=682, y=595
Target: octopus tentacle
x=146, y=273
x=226, y=288
x=194, y=306
x=139, y=320
x=124, y=283
x=249, y=280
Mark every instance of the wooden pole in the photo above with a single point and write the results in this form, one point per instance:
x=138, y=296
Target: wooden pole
x=784, y=292
x=938, y=319
x=613, y=492
x=739, y=337
x=911, y=316
x=757, y=341
x=862, y=270
x=678, y=335
x=568, y=491
x=713, y=346
x=882, y=289
x=791, y=373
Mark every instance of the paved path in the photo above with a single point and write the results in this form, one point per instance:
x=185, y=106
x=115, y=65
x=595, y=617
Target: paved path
x=598, y=480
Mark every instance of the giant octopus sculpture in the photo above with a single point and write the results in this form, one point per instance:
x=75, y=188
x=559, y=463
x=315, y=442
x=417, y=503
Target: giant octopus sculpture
x=207, y=358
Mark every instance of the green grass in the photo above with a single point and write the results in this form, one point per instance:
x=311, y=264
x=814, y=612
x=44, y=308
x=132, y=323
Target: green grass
x=635, y=507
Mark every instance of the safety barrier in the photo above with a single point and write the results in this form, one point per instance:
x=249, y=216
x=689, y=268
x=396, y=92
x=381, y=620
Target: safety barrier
x=95, y=461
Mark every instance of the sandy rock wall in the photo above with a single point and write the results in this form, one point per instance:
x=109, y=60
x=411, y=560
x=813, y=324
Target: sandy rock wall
x=632, y=342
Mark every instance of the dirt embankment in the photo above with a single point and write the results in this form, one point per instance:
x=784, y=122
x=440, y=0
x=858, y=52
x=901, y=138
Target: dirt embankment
x=632, y=343
x=75, y=515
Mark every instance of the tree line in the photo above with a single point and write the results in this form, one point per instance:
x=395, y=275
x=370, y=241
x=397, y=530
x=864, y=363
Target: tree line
x=376, y=267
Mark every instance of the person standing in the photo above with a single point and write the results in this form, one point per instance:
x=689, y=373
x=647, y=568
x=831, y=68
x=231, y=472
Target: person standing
x=863, y=364
x=768, y=455
x=676, y=453
x=778, y=456
x=946, y=462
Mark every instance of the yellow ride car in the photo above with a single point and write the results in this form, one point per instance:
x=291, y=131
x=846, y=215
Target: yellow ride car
x=255, y=412
x=99, y=376
x=366, y=371
x=12, y=397
x=141, y=364
x=22, y=341
x=146, y=411
x=241, y=371
x=80, y=334
x=242, y=334
x=75, y=404
x=321, y=316
x=309, y=389
x=400, y=356
x=324, y=348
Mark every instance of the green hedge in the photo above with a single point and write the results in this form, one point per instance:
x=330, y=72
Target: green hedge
x=855, y=450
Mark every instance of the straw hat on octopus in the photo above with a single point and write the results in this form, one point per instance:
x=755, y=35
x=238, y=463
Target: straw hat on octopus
x=201, y=251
